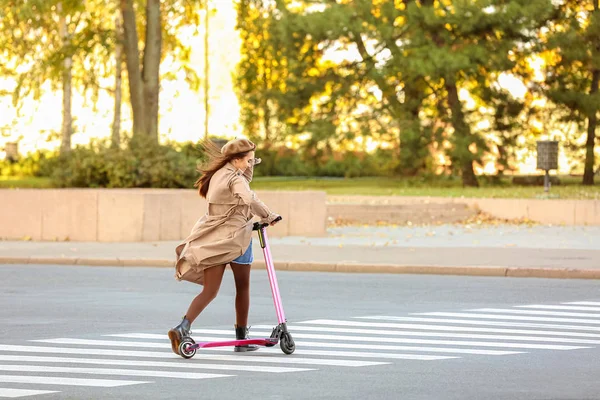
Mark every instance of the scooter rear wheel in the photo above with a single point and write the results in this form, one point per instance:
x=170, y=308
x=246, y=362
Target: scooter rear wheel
x=183, y=348
x=287, y=343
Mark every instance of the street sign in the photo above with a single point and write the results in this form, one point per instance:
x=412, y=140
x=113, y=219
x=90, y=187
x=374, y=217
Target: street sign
x=547, y=159
x=12, y=151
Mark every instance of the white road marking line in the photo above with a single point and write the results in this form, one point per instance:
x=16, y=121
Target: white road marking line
x=547, y=307
x=510, y=317
x=282, y=359
x=48, y=380
x=535, y=312
x=186, y=365
x=379, y=340
x=489, y=323
x=365, y=354
x=305, y=344
x=392, y=348
x=394, y=327
x=109, y=371
x=315, y=352
x=294, y=328
x=14, y=393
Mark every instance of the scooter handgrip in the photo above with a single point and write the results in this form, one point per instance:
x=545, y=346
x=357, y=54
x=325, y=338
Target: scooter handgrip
x=258, y=226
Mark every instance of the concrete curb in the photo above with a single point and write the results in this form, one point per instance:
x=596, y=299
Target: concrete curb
x=516, y=272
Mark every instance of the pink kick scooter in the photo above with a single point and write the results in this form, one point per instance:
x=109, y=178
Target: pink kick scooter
x=280, y=334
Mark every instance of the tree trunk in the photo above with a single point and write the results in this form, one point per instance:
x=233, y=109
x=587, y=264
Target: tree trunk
x=266, y=79
x=132, y=59
x=462, y=136
x=413, y=148
x=116, y=126
x=67, y=86
x=388, y=93
x=588, y=174
x=411, y=154
x=150, y=74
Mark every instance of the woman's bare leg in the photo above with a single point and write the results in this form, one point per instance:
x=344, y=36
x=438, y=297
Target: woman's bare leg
x=212, y=283
x=241, y=274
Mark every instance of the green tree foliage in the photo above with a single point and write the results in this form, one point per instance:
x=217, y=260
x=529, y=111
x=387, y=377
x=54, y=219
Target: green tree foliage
x=410, y=63
x=571, y=50
x=55, y=42
x=35, y=51
x=260, y=73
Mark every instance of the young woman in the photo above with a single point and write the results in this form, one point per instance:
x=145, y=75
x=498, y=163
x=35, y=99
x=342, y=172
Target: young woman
x=222, y=236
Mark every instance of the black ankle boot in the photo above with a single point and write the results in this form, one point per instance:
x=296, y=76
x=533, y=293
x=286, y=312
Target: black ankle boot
x=177, y=334
x=241, y=333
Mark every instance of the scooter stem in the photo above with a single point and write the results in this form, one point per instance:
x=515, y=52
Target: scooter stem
x=264, y=243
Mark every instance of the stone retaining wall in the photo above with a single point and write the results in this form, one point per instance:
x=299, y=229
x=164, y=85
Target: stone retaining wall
x=137, y=215
x=551, y=211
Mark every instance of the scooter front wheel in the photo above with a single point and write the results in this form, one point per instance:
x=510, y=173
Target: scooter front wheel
x=287, y=343
x=184, y=348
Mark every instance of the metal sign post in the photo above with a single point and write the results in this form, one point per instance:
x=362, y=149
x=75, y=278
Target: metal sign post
x=547, y=159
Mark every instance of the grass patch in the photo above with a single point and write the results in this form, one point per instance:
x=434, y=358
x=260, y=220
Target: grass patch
x=570, y=187
x=28, y=182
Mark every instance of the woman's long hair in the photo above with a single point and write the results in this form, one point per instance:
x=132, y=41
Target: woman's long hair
x=216, y=161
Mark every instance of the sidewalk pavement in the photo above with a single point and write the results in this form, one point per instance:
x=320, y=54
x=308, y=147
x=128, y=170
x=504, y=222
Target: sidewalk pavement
x=503, y=250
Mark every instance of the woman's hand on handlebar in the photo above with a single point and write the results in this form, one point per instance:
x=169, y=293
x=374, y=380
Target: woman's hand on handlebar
x=276, y=220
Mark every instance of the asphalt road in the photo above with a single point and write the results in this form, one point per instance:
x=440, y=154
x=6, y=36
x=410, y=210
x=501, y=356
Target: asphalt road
x=100, y=333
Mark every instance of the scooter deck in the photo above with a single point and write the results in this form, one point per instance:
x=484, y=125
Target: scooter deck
x=260, y=342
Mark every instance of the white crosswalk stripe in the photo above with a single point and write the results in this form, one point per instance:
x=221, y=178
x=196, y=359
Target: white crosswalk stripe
x=378, y=340
x=296, y=328
x=14, y=393
x=550, y=307
x=328, y=353
x=511, y=317
x=47, y=380
x=374, y=347
x=206, y=356
x=136, y=363
x=108, y=371
x=359, y=342
x=536, y=312
x=482, y=322
x=331, y=322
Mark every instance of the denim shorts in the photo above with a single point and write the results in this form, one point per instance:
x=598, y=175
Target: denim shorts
x=247, y=258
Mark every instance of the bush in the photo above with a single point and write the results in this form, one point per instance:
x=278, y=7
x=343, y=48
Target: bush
x=38, y=164
x=288, y=162
x=145, y=164
x=281, y=162
x=142, y=164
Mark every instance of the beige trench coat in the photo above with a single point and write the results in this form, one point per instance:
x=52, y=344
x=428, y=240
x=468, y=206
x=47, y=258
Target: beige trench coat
x=225, y=231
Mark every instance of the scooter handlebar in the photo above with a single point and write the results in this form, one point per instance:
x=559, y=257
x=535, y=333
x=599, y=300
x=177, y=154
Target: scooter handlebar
x=258, y=226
